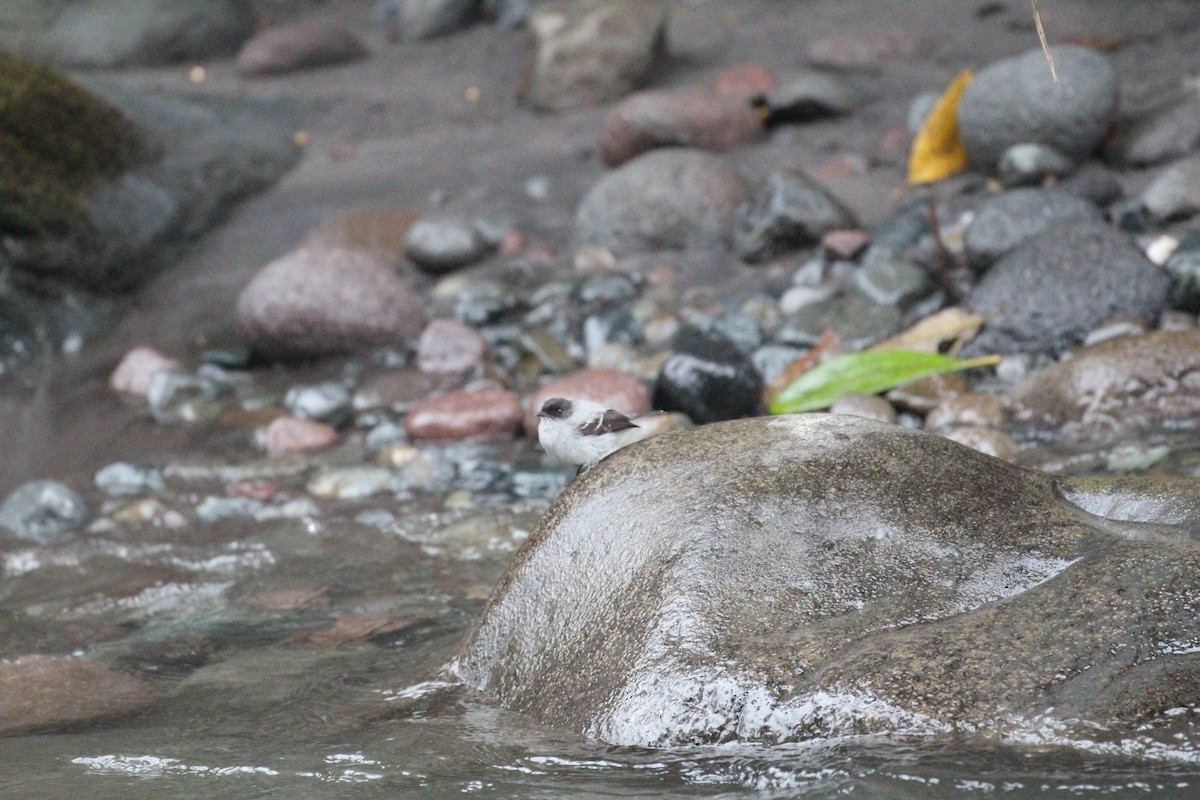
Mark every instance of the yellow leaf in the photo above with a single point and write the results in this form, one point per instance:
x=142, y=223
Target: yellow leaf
x=938, y=152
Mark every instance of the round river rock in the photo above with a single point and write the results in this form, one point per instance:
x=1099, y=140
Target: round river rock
x=781, y=579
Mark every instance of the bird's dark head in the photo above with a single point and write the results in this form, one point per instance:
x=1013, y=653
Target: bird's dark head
x=556, y=408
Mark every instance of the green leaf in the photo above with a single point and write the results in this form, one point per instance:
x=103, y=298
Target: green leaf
x=869, y=372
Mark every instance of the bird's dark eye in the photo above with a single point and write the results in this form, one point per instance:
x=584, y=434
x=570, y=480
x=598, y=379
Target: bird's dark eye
x=555, y=408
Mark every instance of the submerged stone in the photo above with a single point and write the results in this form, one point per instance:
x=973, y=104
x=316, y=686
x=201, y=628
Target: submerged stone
x=783, y=579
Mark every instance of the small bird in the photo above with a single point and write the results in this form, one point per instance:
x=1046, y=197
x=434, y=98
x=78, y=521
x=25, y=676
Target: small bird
x=582, y=432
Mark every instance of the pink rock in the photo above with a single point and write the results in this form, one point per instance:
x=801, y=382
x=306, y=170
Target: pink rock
x=694, y=118
x=298, y=45
x=289, y=434
x=132, y=376
x=611, y=387
x=845, y=243
x=746, y=79
x=866, y=50
x=448, y=346
x=478, y=415
x=318, y=301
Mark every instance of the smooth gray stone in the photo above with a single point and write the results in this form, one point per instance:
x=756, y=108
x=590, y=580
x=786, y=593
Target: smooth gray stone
x=812, y=575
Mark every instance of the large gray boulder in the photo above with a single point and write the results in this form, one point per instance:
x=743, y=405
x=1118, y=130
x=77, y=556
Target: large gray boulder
x=779, y=579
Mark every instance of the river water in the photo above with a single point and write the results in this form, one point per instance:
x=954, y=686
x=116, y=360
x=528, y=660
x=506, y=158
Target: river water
x=255, y=692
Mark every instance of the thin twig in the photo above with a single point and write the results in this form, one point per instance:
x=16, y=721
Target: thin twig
x=1037, y=18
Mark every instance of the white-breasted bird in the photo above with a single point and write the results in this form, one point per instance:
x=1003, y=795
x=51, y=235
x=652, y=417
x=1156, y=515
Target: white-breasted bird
x=583, y=432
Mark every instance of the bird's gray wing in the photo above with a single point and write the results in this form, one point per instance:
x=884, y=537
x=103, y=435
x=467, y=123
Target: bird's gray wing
x=608, y=422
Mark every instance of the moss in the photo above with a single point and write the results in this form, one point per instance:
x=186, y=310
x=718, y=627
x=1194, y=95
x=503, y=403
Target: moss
x=56, y=140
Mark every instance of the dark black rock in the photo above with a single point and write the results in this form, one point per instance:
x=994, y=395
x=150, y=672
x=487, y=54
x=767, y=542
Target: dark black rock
x=708, y=378
x=787, y=211
x=810, y=96
x=1012, y=217
x=1017, y=100
x=607, y=288
x=1048, y=293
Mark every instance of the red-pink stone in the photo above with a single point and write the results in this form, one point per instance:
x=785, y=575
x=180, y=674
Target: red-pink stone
x=845, y=243
x=320, y=300
x=746, y=79
x=609, y=387
x=694, y=118
x=132, y=376
x=448, y=346
x=482, y=415
x=289, y=434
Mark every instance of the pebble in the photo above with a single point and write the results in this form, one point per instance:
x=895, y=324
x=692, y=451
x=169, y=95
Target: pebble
x=318, y=301
x=919, y=110
x=476, y=415
x=44, y=512
x=1135, y=457
x=298, y=45
x=1184, y=268
x=926, y=394
x=481, y=303
x=428, y=471
x=132, y=376
x=1049, y=292
x=1168, y=130
x=1175, y=193
x=438, y=245
x=670, y=199
x=396, y=391
x=141, y=512
x=845, y=243
x=287, y=434
x=1122, y=325
x=870, y=50
x=328, y=402
x=690, y=118
x=740, y=330
x=893, y=282
x=772, y=359
x=1095, y=182
x=551, y=354
x=539, y=485
x=607, y=289
x=865, y=405
x=1018, y=215
x=613, y=327
x=213, y=509
x=747, y=79
x=968, y=408
x=413, y=20
x=609, y=387
x=799, y=297
x=588, y=54
x=352, y=483
x=1016, y=101
x=858, y=321
x=46, y=693
x=122, y=479
x=810, y=96
x=1030, y=164
x=986, y=440
x=787, y=211
x=712, y=380
x=377, y=231
x=450, y=347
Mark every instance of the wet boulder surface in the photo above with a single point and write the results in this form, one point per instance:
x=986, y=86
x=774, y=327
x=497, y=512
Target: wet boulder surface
x=782, y=579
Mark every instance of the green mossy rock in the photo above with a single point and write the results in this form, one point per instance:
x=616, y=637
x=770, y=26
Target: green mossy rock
x=56, y=141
